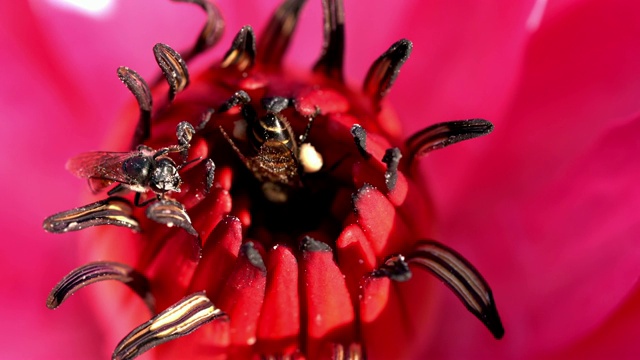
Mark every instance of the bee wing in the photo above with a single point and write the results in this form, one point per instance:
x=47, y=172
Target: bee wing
x=100, y=166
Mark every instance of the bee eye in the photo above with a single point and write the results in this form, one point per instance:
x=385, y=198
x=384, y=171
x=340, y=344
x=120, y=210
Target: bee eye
x=137, y=168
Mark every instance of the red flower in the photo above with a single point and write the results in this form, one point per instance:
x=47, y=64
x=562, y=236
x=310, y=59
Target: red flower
x=579, y=33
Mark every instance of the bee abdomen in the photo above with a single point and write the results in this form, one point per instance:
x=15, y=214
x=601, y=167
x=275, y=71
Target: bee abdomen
x=272, y=128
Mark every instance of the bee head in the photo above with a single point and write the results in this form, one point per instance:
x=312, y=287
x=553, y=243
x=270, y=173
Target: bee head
x=165, y=176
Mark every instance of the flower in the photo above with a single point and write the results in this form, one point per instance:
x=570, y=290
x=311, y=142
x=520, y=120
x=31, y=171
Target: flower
x=571, y=29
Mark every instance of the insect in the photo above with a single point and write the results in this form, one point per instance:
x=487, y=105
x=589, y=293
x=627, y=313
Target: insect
x=140, y=170
x=280, y=158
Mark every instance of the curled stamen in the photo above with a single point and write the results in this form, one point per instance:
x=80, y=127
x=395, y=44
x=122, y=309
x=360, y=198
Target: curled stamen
x=353, y=352
x=111, y=211
x=173, y=67
x=170, y=213
x=242, y=53
x=444, y=134
x=392, y=159
x=395, y=268
x=184, y=317
x=139, y=88
x=101, y=271
x=384, y=71
x=332, y=58
x=212, y=30
x=461, y=277
x=275, y=40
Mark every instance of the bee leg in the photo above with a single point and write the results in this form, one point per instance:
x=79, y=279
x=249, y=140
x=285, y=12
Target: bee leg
x=234, y=147
x=117, y=189
x=138, y=197
x=303, y=138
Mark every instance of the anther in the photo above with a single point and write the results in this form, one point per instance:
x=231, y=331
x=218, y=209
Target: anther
x=392, y=159
x=173, y=67
x=275, y=39
x=181, y=319
x=170, y=213
x=384, y=71
x=242, y=53
x=461, y=277
x=332, y=58
x=444, y=134
x=111, y=211
x=212, y=30
x=139, y=88
x=100, y=271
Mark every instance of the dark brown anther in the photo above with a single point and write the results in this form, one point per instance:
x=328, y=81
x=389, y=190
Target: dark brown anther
x=100, y=271
x=395, y=268
x=170, y=213
x=332, y=58
x=360, y=137
x=392, y=159
x=111, y=211
x=384, y=71
x=312, y=245
x=173, y=67
x=444, y=134
x=275, y=39
x=181, y=319
x=139, y=88
x=242, y=53
x=252, y=254
x=461, y=277
x=212, y=30
x=184, y=133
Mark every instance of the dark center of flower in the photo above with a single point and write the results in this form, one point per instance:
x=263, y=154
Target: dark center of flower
x=293, y=221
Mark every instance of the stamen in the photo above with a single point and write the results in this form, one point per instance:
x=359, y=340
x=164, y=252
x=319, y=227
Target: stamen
x=392, y=159
x=395, y=268
x=275, y=39
x=384, y=71
x=184, y=133
x=242, y=53
x=179, y=320
x=212, y=30
x=444, y=134
x=211, y=169
x=139, y=88
x=101, y=271
x=111, y=211
x=353, y=352
x=173, y=67
x=170, y=213
x=461, y=277
x=360, y=136
x=332, y=58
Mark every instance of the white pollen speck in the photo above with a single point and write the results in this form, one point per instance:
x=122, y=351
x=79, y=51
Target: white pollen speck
x=310, y=158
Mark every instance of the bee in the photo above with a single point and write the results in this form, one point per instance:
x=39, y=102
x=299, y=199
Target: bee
x=280, y=158
x=139, y=170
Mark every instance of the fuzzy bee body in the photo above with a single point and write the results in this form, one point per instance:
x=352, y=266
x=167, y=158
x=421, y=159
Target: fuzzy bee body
x=276, y=162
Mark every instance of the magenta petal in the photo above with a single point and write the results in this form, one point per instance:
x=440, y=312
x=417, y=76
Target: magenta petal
x=562, y=258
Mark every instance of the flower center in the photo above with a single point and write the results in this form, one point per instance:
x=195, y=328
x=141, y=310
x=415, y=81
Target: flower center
x=277, y=212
